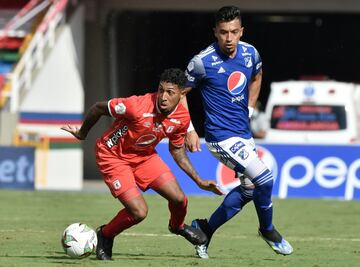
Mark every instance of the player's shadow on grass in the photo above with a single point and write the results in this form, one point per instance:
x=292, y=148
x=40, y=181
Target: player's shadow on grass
x=146, y=256
x=131, y=256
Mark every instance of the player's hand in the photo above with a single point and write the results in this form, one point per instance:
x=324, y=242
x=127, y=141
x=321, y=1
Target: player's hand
x=192, y=141
x=210, y=186
x=74, y=130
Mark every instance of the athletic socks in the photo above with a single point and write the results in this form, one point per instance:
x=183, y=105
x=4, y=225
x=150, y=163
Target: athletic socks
x=234, y=201
x=123, y=220
x=177, y=213
x=262, y=199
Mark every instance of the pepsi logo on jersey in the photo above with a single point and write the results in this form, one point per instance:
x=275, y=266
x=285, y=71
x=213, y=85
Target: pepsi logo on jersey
x=236, y=82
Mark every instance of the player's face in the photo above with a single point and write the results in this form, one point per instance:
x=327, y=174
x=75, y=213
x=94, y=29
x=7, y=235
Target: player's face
x=228, y=34
x=168, y=97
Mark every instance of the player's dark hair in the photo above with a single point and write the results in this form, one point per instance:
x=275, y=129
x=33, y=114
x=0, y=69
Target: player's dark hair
x=175, y=76
x=227, y=13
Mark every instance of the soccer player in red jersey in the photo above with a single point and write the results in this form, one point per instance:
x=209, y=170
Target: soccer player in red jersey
x=127, y=159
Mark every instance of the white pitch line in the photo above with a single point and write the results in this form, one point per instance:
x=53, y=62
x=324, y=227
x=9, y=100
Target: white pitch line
x=296, y=239
x=310, y=239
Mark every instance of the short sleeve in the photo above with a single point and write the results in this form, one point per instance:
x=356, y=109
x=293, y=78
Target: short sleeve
x=195, y=72
x=121, y=107
x=178, y=138
x=258, y=62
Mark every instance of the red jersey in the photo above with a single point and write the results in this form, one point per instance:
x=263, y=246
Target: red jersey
x=139, y=126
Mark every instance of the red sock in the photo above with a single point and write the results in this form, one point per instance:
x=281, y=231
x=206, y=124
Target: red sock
x=177, y=214
x=123, y=220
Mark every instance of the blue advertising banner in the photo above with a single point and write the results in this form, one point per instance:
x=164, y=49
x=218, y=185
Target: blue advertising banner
x=17, y=167
x=308, y=171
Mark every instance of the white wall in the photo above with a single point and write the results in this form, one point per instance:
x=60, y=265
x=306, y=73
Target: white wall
x=58, y=88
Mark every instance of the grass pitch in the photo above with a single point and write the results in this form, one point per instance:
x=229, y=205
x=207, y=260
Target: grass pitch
x=322, y=232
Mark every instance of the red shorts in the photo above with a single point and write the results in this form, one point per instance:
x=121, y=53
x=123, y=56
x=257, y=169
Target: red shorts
x=124, y=178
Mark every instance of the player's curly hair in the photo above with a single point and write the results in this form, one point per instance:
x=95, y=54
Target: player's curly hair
x=227, y=13
x=175, y=76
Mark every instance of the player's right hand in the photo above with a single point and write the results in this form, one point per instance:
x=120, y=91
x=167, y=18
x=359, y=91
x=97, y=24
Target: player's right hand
x=74, y=130
x=211, y=186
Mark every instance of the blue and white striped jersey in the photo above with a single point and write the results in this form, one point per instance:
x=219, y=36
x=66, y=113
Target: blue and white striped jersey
x=223, y=83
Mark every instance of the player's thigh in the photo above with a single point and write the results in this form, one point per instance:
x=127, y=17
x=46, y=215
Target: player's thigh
x=118, y=175
x=238, y=154
x=120, y=181
x=171, y=191
x=152, y=173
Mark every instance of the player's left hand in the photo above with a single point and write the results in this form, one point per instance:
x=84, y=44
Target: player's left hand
x=210, y=186
x=192, y=141
x=74, y=130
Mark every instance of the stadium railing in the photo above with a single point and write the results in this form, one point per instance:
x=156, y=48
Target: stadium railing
x=20, y=79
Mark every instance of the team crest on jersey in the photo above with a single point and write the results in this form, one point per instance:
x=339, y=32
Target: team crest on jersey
x=236, y=82
x=248, y=62
x=170, y=129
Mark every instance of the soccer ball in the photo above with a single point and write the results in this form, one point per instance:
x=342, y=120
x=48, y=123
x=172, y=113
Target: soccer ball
x=79, y=240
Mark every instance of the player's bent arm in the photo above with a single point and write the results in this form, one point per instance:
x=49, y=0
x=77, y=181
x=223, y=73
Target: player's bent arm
x=254, y=89
x=93, y=115
x=182, y=160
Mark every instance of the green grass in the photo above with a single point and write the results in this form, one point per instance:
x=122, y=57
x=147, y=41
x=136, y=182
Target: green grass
x=322, y=232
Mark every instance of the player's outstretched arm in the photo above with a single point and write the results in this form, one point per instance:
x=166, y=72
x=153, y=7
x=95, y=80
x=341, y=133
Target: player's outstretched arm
x=182, y=160
x=93, y=115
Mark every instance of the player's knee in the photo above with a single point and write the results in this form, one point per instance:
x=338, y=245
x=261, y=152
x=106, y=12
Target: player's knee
x=179, y=199
x=139, y=213
x=269, y=184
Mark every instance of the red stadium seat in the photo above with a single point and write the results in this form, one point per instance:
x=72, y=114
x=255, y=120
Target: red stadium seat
x=11, y=42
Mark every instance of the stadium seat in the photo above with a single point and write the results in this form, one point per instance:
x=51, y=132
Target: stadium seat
x=11, y=42
x=5, y=67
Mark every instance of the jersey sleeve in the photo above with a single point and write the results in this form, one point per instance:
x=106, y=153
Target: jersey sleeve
x=121, y=107
x=178, y=138
x=257, y=62
x=195, y=72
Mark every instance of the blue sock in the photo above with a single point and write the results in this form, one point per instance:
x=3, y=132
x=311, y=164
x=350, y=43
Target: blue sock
x=262, y=199
x=234, y=201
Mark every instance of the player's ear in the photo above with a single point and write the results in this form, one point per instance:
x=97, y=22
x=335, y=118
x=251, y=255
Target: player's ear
x=241, y=31
x=214, y=29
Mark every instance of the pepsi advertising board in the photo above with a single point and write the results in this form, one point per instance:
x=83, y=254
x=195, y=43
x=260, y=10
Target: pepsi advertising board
x=301, y=171
x=17, y=167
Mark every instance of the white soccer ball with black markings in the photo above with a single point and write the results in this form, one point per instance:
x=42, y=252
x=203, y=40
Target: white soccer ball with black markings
x=79, y=240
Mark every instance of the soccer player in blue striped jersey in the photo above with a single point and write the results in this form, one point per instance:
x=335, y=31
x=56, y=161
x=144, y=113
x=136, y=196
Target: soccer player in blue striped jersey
x=228, y=74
